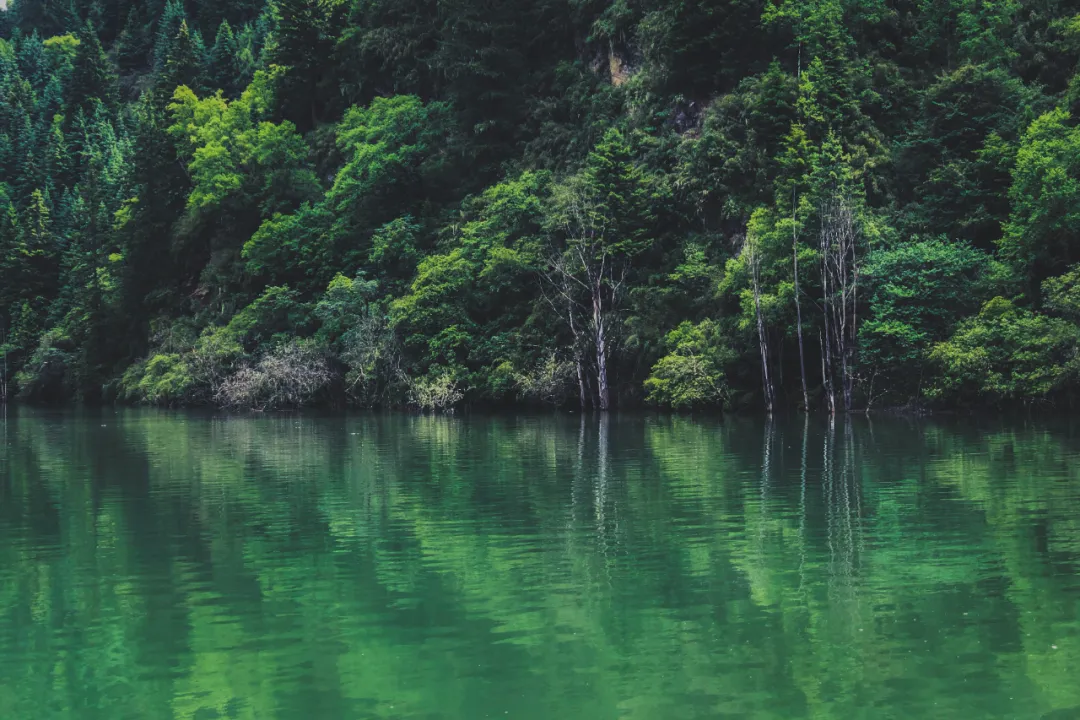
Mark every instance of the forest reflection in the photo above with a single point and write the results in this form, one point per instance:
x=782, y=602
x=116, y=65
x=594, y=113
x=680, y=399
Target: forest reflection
x=181, y=565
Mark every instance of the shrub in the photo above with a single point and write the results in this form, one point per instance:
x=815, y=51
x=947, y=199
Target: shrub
x=289, y=376
x=45, y=377
x=692, y=374
x=164, y=379
x=549, y=382
x=1005, y=354
x=438, y=390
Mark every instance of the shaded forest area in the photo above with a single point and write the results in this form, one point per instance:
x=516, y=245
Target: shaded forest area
x=584, y=203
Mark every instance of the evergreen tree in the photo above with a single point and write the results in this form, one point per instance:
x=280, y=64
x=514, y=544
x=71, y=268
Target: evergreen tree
x=304, y=39
x=33, y=65
x=225, y=71
x=133, y=45
x=37, y=250
x=185, y=65
x=10, y=262
x=93, y=81
x=168, y=27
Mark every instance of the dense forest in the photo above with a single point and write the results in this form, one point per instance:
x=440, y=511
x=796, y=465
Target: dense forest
x=692, y=204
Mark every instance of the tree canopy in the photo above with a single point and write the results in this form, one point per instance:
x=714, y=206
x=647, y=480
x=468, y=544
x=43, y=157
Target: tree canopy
x=690, y=204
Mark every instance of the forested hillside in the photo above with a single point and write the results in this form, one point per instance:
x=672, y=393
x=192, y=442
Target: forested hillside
x=830, y=204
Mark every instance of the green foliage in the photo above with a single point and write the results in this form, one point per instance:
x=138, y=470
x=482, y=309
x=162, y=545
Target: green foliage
x=1040, y=236
x=173, y=16
x=918, y=291
x=164, y=379
x=235, y=155
x=693, y=373
x=1062, y=294
x=225, y=68
x=961, y=149
x=184, y=64
x=304, y=37
x=595, y=203
x=1005, y=354
x=436, y=391
x=392, y=148
x=92, y=80
x=45, y=376
x=134, y=44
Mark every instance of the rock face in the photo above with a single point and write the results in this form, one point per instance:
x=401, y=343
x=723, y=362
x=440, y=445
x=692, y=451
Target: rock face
x=620, y=71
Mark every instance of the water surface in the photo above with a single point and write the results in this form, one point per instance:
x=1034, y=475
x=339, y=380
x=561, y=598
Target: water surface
x=167, y=565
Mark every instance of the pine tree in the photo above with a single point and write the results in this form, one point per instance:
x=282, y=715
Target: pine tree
x=57, y=158
x=37, y=249
x=29, y=170
x=92, y=79
x=145, y=224
x=168, y=28
x=7, y=155
x=10, y=265
x=305, y=36
x=184, y=65
x=133, y=44
x=51, y=103
x=224, y=71
x=32, y=63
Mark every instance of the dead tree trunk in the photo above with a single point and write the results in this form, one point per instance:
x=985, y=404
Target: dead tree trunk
x=763, y=338
x=840, y=281
x=600, y=341
x=558, y=290
x=798, y=302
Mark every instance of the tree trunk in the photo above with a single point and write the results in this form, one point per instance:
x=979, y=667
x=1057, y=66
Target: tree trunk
x=798, y=303
x=763, y=339
x=840, y=272
x=580, y=379
x=579, y=362
x=602, y=391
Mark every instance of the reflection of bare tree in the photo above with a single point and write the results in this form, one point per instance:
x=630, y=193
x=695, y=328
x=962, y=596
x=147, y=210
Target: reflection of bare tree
x=766, y=478
x=577, y=482
x=841, y=483
x=601, y=491
x=592, y=518
x=802, y=504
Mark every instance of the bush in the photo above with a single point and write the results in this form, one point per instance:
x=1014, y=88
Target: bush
x=1005, y=354
x=164, y=379
x=437, y=391
x=46, y=376
x=917, y=294
x=289, y=376
x=550, y=381
x=692, y=374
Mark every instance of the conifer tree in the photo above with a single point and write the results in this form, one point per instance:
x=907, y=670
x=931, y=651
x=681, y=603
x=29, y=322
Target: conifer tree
x=224, y=71
x=133, y=44
x=36, y=249
x=10, y=269
x=92, y=79
x=305, y=35
x=32, y=63
x=184, y=65
x=167, y=30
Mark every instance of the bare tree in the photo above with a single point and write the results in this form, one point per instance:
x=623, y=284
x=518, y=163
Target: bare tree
x=4, y=369
x=584, y=279
x=798, y=301
x=562, y=295
x=754, y=260
x=840, y=283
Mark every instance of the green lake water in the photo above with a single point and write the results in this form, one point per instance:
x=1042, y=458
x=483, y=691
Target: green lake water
x=169, y=565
